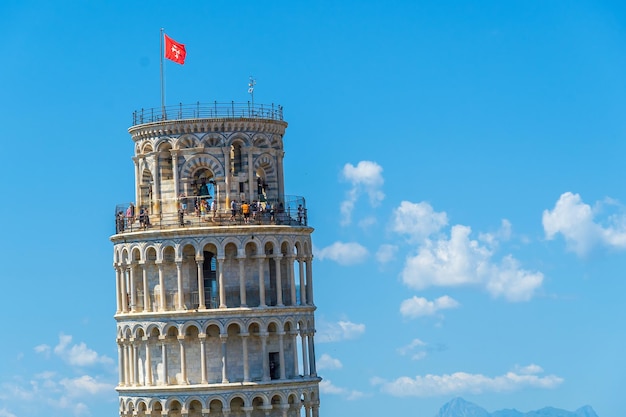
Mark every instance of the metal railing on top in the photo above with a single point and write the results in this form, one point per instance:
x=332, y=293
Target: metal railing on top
x=216, y=110
x=189, y=212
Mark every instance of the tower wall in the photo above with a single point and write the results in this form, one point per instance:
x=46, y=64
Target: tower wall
x=214, y=307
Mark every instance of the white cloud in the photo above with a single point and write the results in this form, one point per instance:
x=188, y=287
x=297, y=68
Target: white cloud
x=328, y=362
x=78, y=387
x=342, y=330
x=350, y=253
x=464, y=383
x=418, y=220
x=12, y=391
x=6, y=413
x=419, y=307
x=512, y=282
x=529, y=369
x=366, y=173
x=575, y=221
x=78, y=355
x=386, y=253
x=502, y=235
x=416, y=349
x=48, y=390
x=77, y=408
x=327, y=387
x=43, y=349
x=367, y=222
x=365, y=177
x=462, y=261
x=414, y=343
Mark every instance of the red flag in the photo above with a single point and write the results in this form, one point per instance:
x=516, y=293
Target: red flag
x=174, y=51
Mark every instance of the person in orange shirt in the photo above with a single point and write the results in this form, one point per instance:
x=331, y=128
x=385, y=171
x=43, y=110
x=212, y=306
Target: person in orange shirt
x=245, y=209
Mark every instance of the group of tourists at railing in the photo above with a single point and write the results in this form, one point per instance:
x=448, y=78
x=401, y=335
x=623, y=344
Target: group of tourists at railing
x=205, y=209
x=126, y=220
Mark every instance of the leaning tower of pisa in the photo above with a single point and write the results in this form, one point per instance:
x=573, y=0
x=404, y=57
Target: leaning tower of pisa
x=214, y=288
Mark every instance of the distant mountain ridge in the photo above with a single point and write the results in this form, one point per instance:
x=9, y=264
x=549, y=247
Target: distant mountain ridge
x=458, y=407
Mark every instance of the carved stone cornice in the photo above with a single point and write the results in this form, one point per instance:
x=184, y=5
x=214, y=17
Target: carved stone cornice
x=180, y=127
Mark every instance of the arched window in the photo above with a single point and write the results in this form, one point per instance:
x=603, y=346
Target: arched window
x=209, y=268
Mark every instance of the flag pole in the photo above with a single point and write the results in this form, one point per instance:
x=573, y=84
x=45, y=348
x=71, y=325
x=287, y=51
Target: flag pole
x=162, y=80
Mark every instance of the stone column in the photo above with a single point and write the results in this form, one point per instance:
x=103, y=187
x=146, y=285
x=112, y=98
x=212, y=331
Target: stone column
x=118, y=288
x=291, y=278
x=203, y=376
x=227, y=173
x=224, y=339
x=241, y=259
x=312, y=370
x=220, y=283
x=279, y=174
x=125, y=362
x=179, y=276
x=315, y=408
x=183, y=359
x=279, y=281
x=135, y=351
x=137, y=180
x=294, y=343
x=266, y=363
x=302, y=282
x=166, y=378
x=305, y=356
x=309, y=280
x=251, y=183
x=281, y=354
x=247, y=410
x=246, y=366
x=174, y=154
x=129, y=363
x=201, y=300
x=284, y=409
x=133, y=290
x=157, y=181
x=163, y=300
x=261, y=282
x=148, y=367
x=124, y=292
x=146, y=289
x=307, y=409
x=120, y=362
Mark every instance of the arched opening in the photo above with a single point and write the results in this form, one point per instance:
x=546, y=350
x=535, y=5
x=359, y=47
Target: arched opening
x=145, y=191
x=157, y=410
x=192, y=354
x=234, y=349
x=209, y=277
x=202, y=183
x=214, y=362
x=195, y=409
x=175, y=409
x=236, y=159
x=236, y=407
x=215, y=408
x=261, y=185
x=141, y=409
x=258, y=407
x=165, y=162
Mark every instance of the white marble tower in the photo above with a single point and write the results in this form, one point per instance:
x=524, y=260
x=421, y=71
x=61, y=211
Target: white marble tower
x=215, y=312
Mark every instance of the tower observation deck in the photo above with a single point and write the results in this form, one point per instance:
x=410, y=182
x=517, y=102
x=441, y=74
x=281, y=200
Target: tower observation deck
x=213, y=265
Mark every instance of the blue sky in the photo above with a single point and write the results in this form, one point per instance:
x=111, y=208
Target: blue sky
x=463, y=165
